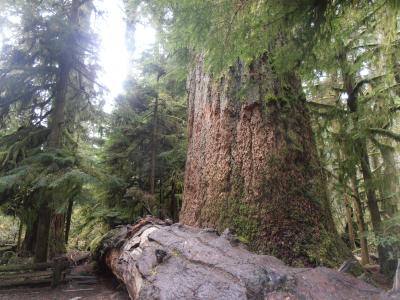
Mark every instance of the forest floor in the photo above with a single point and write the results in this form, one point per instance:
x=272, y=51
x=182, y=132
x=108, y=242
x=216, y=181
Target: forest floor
x=100, y=287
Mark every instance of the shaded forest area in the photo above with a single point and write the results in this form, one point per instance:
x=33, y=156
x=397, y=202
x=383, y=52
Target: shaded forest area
x=276, y=119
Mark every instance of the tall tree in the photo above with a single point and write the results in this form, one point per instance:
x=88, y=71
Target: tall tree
x=252, y=163
x=145, y=148
x=353, y=91
x=52, y=60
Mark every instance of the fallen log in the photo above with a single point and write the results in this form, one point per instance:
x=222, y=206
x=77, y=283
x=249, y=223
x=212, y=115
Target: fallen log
x=34, y=267
x=28, y=275
x=157, y=260
x=5, y=248
x=19, y=283
x=24, y=276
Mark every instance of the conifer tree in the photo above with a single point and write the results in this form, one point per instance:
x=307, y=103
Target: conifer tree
x=48, y=70
x=146, y=142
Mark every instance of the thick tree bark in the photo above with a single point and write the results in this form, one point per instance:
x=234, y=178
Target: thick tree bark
x=252, y=165
x=57, y=236
x=42, y=236
x=55, y=142
x=159, y=261
x=28, y=244
x=58, y=114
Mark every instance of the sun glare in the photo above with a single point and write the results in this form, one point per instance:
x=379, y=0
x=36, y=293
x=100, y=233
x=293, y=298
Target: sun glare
x=114, y=57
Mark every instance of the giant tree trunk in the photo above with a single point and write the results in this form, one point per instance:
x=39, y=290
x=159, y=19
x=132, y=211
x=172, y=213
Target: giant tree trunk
x=159, y=261
x=252, y=165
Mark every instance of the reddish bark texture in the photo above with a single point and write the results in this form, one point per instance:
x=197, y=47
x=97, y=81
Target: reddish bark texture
x=252, y=165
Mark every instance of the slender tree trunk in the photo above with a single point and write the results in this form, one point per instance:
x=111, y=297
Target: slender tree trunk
x=361, y=151
x=154, y=147
x=252, y=165
x=390, y=195
x=162, y=210
x=360, y=223
x=373, y=207
x=369, y=186
x=20, y=228
x=349, y=220
x=173, y=204
x=379, y=179
x=68, y=220
x=42, y=238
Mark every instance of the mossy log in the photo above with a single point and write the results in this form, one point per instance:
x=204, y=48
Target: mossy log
x=157, y=260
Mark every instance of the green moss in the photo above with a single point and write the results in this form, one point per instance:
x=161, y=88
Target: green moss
x=246, y=223
x=327, y=250
x=238, y=215
x=287, y=219
x=242, y=218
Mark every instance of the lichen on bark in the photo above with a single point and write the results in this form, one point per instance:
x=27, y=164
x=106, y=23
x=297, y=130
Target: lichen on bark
x=252, y=165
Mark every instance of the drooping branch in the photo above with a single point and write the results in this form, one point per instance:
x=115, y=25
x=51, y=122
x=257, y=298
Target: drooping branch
x=386, y=133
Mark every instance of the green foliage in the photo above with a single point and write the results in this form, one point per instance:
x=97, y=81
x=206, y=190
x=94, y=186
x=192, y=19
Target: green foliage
x=353, y=94
x=342, y=50
x=131, y=140
x=30, y=60
x=8, y=229
x=48, y=91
